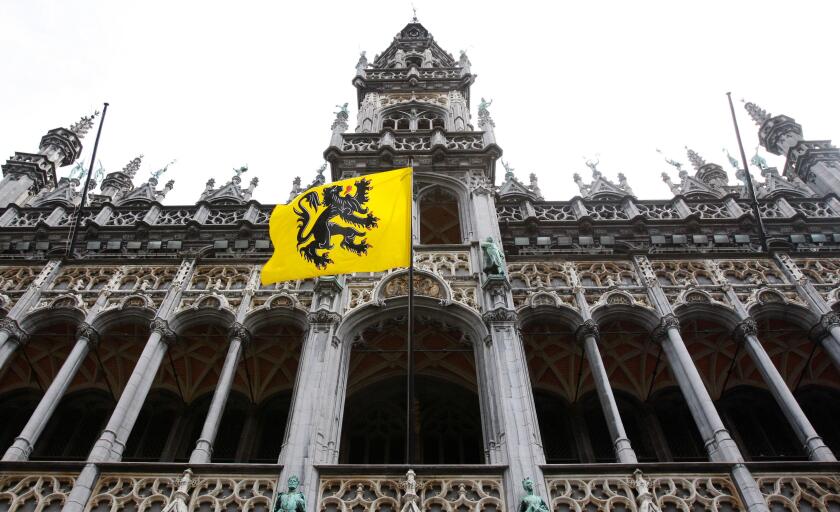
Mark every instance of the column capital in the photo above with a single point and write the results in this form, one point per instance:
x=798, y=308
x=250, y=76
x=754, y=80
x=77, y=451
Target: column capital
x=161, y=326
x=747, y=327
x=669, y=321
x=87, y=331
x=16, y=332
x=500, y=315
x=829, y=320
x=323, y=317
x=587, y=328
x=237, y=330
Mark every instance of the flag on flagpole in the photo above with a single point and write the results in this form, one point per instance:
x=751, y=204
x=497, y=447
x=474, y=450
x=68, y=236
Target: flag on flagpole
x=355, y=225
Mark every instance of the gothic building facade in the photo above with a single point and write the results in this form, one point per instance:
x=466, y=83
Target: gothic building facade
x=633, y=355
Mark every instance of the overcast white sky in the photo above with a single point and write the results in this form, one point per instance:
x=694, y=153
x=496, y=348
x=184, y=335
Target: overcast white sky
x=220, y=84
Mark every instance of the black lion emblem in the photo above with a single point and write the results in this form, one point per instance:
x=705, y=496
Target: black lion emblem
x=315, y=224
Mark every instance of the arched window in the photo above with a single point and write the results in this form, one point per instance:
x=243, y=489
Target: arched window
x=396, y=121
x=446, y=399
x=440, y=222
x=757, y=422
x=74, y=426
x=678, y=427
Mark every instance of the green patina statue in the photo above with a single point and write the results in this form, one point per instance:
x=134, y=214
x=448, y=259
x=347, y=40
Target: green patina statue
x=531, y=502
x=291, y=500
x=494, y=259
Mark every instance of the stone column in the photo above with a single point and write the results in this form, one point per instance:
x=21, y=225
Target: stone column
x=746, y=333
x=22, y=447
x=509, y=416
x=111, y=443
x=239, y=336
x=588, y=334
x=314, y=426
x=830, y=342
x=719, y=444
x=11, y=337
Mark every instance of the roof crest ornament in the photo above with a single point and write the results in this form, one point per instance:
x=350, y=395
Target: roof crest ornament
x=156, y=174
x=732, y=161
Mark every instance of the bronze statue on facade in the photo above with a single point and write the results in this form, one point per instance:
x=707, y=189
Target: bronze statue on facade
x=292, y=500
x=531, y=502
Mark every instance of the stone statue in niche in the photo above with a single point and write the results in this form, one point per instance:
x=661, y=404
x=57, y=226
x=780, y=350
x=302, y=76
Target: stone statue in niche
x=531, y=502
x=494, y=258
x=292, y=500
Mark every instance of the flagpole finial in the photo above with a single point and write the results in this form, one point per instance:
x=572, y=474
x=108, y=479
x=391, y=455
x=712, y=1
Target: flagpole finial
x=758, y=114
x=696, y=160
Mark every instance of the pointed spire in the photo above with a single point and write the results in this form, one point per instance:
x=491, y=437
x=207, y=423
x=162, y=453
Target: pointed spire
x=696, y=160
x=758, y=114
x=83, y=125
x=133, y=166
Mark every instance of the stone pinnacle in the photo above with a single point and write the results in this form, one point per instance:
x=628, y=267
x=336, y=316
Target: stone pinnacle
x=696, y=160
x=758, y=114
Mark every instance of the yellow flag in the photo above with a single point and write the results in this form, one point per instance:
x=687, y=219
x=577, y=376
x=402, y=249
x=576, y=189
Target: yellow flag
x=355, y=225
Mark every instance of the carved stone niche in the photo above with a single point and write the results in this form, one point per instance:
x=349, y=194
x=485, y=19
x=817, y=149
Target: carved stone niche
x=424, y=284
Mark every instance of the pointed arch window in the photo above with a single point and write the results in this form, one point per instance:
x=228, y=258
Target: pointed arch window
x=440, y=221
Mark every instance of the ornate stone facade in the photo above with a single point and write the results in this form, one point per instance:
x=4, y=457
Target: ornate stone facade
x=631, y=354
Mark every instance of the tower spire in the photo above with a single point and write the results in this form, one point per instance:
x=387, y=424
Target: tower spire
x=758, y=114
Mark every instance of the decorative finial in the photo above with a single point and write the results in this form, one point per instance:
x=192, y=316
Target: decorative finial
x=758, y=114
x=238, y=172
x=732, y=161
x=696, y=160
x=133, y=166
x=673, y=163
x=758, y=160
x=484, y=114
x=83, y=125
x=508, y=170
x=623, y=185
x=414, y=17
x=98, y=174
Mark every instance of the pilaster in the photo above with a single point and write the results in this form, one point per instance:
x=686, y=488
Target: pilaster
x=510, y=417
x=314, y=427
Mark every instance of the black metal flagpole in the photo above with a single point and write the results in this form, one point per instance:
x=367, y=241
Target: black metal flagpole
x=410, y=434
x=762, y=236
x=77, y=212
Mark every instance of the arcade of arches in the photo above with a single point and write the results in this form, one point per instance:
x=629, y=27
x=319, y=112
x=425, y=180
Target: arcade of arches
x=656, y=418
x=573, y=428
x=170, y=422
